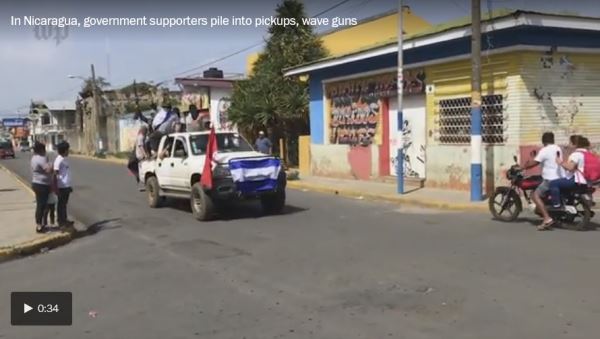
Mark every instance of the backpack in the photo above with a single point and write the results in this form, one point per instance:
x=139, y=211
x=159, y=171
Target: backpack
x=591, y=166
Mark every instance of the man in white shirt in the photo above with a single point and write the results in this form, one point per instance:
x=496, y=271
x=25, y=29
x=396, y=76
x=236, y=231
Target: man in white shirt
x=62, y=177
x=163, y=123
x=551, y=171
x=140, y=152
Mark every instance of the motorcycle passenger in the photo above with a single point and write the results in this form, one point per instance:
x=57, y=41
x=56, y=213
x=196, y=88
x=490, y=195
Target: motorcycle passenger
x=546, y=157
x=574, y=166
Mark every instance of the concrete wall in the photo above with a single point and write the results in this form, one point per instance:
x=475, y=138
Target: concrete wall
x=560, y=93
x=343, y=161
x=304, y=154
x=448, y=165
x=128, y=130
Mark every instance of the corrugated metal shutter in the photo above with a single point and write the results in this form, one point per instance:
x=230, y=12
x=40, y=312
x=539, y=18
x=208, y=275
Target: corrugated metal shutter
x=559, y=92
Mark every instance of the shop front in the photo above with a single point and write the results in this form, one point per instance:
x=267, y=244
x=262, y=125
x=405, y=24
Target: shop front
x=537, y=77
x=361, y=119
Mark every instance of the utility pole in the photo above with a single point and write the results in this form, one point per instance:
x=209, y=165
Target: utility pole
x=476, y=140
x=135, y=93
x=96, y=114
x=400, y=85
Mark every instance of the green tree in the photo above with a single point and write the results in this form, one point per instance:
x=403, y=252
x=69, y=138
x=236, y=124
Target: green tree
x=269, y=100
x=86, y=89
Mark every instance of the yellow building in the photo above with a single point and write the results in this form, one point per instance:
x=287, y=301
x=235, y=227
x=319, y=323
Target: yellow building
x=366, y=33
x=540, y=72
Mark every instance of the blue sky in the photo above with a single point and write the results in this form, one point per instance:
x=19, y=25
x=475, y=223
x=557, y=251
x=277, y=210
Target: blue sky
x=37, y=69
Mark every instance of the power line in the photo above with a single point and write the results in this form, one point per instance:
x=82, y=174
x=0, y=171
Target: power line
x=460, y=5
x=329, y=9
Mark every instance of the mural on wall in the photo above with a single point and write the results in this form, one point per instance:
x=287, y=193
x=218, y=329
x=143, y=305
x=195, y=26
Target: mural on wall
x=222, y=110
x=195, y=96
x=414, y=155
x=356, y=106
x=354, y=122
x=414, y=138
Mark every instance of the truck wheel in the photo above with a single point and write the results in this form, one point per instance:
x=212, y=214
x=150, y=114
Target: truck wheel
x=273, y=203
x=201, y=203
x=153, y=190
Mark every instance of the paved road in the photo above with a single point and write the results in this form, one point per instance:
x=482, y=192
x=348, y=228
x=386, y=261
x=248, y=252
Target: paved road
x=329, y=268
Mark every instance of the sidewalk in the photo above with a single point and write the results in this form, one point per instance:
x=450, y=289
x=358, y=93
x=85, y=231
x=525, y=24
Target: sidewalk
x=17, y=230
x=423, y=197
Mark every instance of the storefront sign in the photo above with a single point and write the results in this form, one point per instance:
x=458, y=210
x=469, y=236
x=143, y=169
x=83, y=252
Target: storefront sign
x=355, y=111
x=13, y=122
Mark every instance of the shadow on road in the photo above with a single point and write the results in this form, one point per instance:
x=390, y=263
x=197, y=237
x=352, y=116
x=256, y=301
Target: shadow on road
x=593, y=226
x=234, y=211
x=7, y=190
x=96, y=227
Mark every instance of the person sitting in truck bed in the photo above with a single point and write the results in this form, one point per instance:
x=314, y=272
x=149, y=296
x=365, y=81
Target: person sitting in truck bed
x=164, y=123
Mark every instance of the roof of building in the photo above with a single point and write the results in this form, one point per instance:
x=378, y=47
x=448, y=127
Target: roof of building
x=206, y=82
x=360, y=22
x=60, y=105
x=491, y=22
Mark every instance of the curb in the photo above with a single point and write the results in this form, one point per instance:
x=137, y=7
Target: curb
x=299, y=185
x=35, y=246
x=38, y=244
x=419, y=202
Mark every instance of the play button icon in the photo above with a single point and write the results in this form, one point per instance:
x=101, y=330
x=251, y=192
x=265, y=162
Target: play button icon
x=41, y=308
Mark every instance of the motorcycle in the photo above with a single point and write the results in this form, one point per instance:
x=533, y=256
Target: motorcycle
x=575, y=213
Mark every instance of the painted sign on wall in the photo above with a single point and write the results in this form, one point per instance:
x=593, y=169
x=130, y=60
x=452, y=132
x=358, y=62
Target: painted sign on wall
x=13, y=122
x=223, y=114
x=355, y=115
x=197, y=96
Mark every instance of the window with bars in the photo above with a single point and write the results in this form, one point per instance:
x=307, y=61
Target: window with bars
x=455, y=120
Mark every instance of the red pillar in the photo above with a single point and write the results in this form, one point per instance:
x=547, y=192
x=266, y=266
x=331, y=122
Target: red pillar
x=384, y=148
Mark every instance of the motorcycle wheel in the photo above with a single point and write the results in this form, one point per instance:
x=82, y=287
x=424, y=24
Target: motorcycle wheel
x=581, y=221
x=505, y=204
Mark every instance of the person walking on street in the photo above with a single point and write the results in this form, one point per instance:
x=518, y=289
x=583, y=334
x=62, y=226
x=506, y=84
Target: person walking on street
x=263, y=144
x=140, y=153
x=41, y=171
x=62, y=177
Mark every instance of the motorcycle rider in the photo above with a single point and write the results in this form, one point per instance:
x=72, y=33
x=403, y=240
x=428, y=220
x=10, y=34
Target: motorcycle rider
x=546, y=157
x=574, y=166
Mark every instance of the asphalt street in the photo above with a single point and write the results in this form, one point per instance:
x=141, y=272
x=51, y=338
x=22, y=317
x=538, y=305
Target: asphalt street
x=330, y=267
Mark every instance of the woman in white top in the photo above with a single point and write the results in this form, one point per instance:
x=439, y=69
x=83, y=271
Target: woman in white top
x=574, y=166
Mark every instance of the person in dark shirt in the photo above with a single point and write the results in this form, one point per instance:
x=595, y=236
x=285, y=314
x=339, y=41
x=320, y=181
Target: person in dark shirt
x=263, y=144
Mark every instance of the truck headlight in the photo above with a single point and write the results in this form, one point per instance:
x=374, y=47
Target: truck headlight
x=221, y=171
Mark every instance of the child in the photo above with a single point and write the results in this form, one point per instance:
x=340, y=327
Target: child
x=50, y=208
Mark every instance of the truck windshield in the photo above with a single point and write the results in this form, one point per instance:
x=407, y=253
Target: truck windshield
x=226, y=142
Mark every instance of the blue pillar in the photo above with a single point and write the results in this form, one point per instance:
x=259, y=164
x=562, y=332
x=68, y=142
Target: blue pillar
x=400, y=153
x=476, y=168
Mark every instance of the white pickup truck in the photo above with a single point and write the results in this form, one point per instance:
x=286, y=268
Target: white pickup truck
x=176, y=173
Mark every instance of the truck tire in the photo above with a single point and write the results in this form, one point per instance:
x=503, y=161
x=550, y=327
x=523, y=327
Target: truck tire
x=201, y=203
x=153, y=190
x=273, y=203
